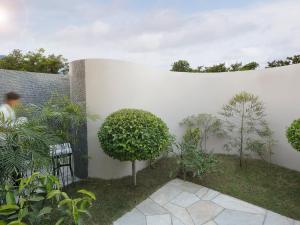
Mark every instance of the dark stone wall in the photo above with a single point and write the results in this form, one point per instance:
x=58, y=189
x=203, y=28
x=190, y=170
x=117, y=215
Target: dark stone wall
x=34, y=88
x=78, y=95
x=37, y=88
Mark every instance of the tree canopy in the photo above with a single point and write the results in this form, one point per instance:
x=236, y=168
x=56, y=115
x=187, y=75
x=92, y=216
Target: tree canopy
x=284, y=62
x=184, y=66
x=34, y=62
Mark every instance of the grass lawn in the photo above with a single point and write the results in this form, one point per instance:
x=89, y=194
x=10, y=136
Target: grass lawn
x=268, y=186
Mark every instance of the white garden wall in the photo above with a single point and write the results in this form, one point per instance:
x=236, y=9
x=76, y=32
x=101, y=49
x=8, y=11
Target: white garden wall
x=111, y=85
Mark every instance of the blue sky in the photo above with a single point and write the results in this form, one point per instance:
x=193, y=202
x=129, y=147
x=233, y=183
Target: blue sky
x=154, y=32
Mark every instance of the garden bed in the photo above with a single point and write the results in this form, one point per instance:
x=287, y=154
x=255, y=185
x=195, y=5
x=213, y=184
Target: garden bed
x=260, y=183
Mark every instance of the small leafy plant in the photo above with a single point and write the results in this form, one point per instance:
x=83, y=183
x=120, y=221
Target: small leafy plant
x=191, y=159
x=38, y=200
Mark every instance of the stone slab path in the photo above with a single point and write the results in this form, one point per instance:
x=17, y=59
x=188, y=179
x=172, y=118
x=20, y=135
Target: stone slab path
x=185, y=203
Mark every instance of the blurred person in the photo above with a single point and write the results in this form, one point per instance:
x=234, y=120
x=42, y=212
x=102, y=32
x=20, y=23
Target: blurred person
x=7, y=110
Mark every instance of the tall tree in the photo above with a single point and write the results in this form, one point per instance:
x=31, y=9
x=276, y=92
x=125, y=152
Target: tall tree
x=181, y=66
x=34, y=62
x=244, y=123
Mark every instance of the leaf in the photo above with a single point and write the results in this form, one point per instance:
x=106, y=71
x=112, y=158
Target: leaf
x=2, y=222
x=90, y=194
x=65, y=201
x=75, y=214
x=8, y=209
x=36, y=198
x=60, y=221
x=65, y=195
x=10, y=198
x=44, y=211
x=17, y=222
x=53, y=194
x=85, y=212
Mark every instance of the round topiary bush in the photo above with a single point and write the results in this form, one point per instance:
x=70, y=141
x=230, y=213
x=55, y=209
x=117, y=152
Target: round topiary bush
x=132, y=134
x=293, y=134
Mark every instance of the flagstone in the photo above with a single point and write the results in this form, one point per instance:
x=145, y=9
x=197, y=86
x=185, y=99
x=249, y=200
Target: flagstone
x=159, y=220
x=210, y=223
x=204, y=211
x=149, y=207
x=235, y=204
x=166, y=194
x=184, y=203
x=177, y=221
x=232, y=217
x=185, y=199
x=210, y=194
x=277, y=219
x=202, y=192
x=133, y=217
x=180, y=213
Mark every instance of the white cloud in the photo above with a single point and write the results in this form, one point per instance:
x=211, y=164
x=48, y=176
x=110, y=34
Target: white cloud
x=260, y=32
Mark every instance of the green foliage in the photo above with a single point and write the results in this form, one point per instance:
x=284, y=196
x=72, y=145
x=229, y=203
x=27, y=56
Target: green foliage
x=34, y=62
x=63, y=116
x=194, y=161
x=241, y=67
x=293, y=134
x=192, y=136
x=23, y=147
x=216, y=68
x=181, y=66
x=284, y=62
x=207, y=124
x=38, y=199
x=184, y=66
x=245, y=125
x=191, y=158
x=132, y=134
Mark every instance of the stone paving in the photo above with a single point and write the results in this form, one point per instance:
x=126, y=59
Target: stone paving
x=185, y=203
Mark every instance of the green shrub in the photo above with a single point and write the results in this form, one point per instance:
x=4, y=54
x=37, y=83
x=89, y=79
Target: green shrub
x=38, y=199
x=132, y=134
x=191, y=158
x=293, y=134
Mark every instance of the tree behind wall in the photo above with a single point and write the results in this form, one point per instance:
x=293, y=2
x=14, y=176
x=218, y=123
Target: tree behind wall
x=284, y=62
x=34, y=62
x=244, y=123
x=184, y=66
x=181, y=66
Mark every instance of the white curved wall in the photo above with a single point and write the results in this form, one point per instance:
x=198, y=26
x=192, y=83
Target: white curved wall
x=111, y=85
